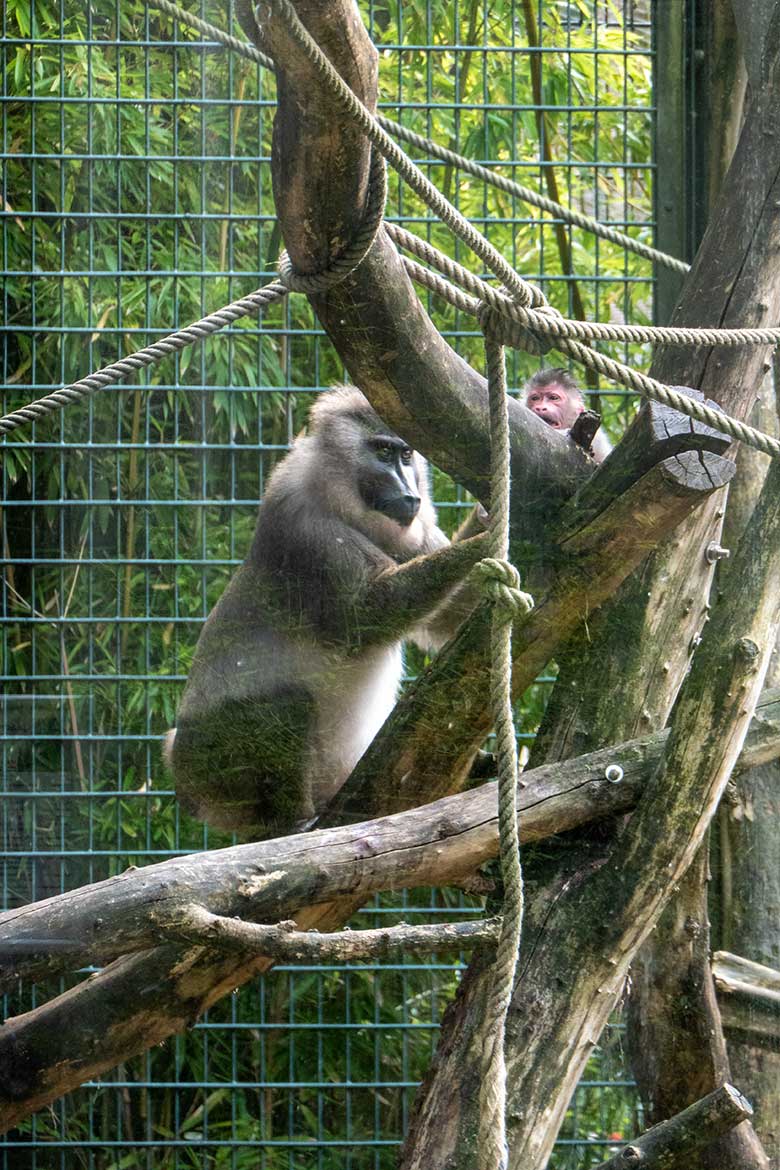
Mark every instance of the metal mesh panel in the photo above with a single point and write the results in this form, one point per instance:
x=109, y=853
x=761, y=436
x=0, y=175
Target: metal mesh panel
x=136, y=197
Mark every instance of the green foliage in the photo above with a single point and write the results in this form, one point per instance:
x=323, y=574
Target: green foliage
x=138, y=198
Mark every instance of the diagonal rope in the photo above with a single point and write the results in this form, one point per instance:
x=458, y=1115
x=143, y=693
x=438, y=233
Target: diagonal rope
x=526, y=295
x=556, y=325
x=525, y=292
x=253, y=303
x=528, y=195
x=337, y=270
x=491, y=301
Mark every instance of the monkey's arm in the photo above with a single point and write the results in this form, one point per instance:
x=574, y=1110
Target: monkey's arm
x=441, y=625
x=398, y=598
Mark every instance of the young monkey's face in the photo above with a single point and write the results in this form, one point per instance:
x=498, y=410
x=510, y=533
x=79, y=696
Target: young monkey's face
x=555, y=405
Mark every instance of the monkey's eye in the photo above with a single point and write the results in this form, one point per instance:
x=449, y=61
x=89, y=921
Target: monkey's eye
x=385, y=453
x=406, y=455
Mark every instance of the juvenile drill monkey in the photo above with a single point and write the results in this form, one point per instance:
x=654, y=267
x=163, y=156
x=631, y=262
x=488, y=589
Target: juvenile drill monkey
x=298, y=664
x=557, y=399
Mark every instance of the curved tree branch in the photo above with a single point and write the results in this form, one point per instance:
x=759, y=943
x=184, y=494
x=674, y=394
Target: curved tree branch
x=374, y=318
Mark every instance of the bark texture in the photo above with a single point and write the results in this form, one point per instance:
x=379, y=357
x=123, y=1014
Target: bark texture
x=576, y=949
x=623, y=671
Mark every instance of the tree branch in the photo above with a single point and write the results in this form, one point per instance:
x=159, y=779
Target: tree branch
x=671, y=1144
x=283, y=943
x=374, y=318
x=436, y=844
x=605, y=912
x=619, y=677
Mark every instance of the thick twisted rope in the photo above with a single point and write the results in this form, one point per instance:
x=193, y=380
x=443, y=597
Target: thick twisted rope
x=351, y=105
x=558, y=326
x=528, y=318
x=118, y=371
x=528, y=195
x=235, y=44
x=341, y=267
x=525, y=295
x=502, y=587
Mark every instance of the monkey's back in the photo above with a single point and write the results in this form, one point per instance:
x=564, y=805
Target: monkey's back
x=274, y=717
x=244, y=720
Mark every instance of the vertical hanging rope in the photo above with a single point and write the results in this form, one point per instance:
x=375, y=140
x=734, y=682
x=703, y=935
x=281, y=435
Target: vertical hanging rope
x=502, y=587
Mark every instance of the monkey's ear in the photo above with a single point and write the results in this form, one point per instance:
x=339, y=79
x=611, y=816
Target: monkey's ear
x=583, y=429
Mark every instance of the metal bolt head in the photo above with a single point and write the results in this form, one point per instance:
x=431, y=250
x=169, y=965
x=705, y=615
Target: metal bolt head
x=715, y=552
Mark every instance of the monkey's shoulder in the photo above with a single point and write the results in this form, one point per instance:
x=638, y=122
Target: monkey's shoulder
x=306, y=548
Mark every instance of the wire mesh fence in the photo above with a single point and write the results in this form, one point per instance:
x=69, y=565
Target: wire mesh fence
x=136, y=197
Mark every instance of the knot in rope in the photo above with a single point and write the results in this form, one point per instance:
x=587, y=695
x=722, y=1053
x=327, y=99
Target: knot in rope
x=500, y=582
x=502, y=329
x=339, y=268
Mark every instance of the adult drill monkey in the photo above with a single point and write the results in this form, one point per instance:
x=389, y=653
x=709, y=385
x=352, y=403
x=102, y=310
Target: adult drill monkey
x=298, y=664
x=556, y=398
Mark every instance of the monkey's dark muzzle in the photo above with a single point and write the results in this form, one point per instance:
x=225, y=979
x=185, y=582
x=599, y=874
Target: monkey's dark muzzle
x=403, y=509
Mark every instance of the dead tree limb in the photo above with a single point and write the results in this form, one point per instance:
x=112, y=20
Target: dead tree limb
x=140, y=1000
x=671, y=1144
x=284, y=944
x=436, y=844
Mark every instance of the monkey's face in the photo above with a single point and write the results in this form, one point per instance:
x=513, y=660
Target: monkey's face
x=387, y=478
x=555, y=405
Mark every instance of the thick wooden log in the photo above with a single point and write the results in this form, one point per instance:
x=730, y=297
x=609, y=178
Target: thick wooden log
x=672, y=1144
x=621, y=674
x=435, y=844
x=747, y=857
x=115, y=1015
x=657, y=432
